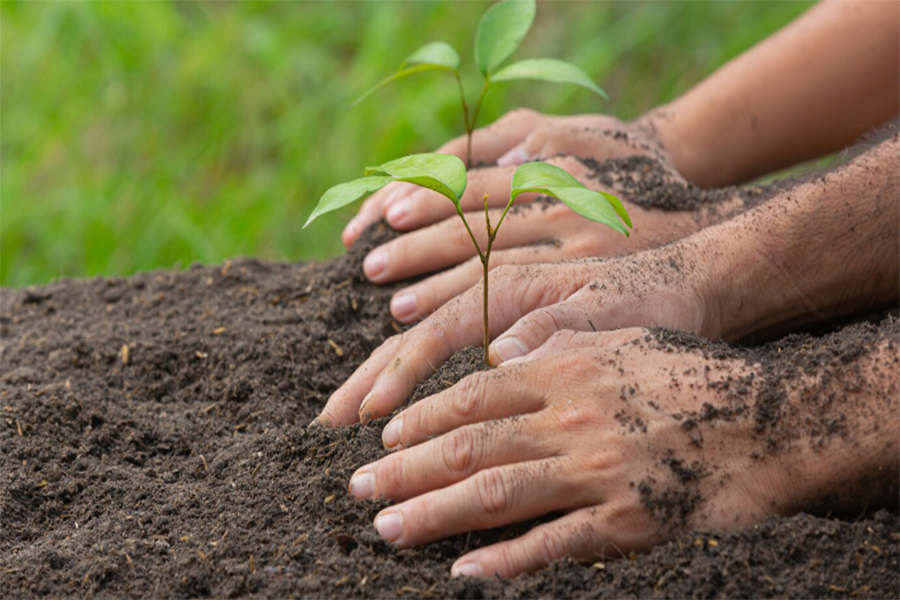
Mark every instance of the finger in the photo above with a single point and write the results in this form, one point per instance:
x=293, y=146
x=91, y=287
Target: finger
x=342, y=407
x=480, y=397
x=372, y=210
x=433, y=249
x=459, y=323
x=423, y=298
x=423, y=206
x=450, y=458
x=489, y=498
x=490, y=142
x=567, y=339
x=601, y=141
x=586, y=534
x=448, y=244
x=580, y=312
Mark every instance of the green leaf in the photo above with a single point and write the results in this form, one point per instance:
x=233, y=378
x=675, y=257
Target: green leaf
x=346, y=193
x=547, y=69
x=500, y=32
x=400, y=75
x=544, y=178
x=436, y=56
x=443, y=173
x=435, y=53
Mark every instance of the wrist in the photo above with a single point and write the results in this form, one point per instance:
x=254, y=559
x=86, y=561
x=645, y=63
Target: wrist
x=705, y=260
x=666, y=126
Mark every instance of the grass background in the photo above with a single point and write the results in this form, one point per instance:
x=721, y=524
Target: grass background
x=137, y=135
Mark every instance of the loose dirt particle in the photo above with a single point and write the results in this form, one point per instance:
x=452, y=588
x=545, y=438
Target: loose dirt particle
x=337, y=349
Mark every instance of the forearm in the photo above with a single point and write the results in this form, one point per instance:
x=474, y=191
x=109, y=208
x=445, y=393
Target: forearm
x=821, y=250
x=811, y=89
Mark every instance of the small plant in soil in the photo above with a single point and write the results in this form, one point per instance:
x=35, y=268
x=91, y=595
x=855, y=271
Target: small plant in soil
x=446, y=174
x=499, y=33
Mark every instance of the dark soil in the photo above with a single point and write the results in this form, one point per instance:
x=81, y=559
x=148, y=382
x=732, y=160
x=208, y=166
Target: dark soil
x=153, y=443
x=646, y=183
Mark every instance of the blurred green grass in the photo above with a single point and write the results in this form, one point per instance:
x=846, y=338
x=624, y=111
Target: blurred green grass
x=137, y=135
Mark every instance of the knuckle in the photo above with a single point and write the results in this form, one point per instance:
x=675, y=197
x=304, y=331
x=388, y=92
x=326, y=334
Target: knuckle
x=458, y=238
x=428, y=523
x=562, y=337
x=468, y=400
x=461, y=451
x=574, y=416
x=493, y=492
x=549, y=545
x=610, y=459
x=509, y=560
x=392, y=473
x=547, y=320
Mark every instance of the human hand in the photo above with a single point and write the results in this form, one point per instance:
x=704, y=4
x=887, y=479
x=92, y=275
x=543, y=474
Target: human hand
x=589, y=425
x=519, y=136
x=545, y=232
x=528, y=304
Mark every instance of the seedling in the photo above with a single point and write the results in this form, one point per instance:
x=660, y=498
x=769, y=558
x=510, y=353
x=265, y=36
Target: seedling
x=446, y=174
x=499, y=33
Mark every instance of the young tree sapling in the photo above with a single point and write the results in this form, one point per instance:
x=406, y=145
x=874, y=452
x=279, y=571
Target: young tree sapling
x=446, y=174
x=499, y=33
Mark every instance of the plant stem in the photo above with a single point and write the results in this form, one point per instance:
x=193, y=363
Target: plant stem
x=471, y=126
x=485, y=263
x=465, y=109
x=471, y=235
x=487, y=334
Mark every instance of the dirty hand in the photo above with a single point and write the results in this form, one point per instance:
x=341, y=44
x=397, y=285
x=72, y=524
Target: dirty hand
x=527, y=305
x=532, y=233
x=519, y=136
x=589, y=425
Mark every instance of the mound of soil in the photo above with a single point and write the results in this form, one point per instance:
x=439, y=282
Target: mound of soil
x=153, y=443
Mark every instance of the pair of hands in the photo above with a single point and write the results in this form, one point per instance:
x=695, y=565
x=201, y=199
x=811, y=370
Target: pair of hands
x=488, y=467
x=436, y=240
x=589, y=425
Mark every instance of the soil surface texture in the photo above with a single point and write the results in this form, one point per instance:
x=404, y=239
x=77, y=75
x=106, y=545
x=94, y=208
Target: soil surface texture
x=153, y=443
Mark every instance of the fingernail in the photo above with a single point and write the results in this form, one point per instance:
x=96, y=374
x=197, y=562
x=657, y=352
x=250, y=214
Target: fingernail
x=403, y=305
x=351, y=229
x=364, y=408
x=375, y=263
x=390, y=437
x=362, y=485
x=509, y=348
x=398, y=211
x=468, y=569
x=389, y=526
x=516, y=156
